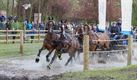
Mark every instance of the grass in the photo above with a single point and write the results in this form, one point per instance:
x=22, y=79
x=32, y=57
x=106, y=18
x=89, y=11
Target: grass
x=13, y=50
x=127, y=73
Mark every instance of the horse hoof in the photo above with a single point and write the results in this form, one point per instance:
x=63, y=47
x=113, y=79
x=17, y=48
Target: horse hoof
x=66, y=64
x=60, y=58
x=102, y=61
x=37, y=60
x=47, y=60
x=48, y=67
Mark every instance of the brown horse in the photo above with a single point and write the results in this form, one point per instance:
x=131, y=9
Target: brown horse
x=97, y=40
x=79, y=34
x=48, y=42
x=68, y=43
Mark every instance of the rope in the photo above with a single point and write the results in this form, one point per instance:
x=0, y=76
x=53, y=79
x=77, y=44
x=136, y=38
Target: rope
x=111, y=40
x=112, y=51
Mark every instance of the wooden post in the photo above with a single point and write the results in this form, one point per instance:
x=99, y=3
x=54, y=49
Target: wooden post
x=38, y=34
x=30, y=14
x=24, y=33
x=7, y=31
x=21, y=42
x=86, y=52
x=39, y=7
x=13, y=13
x=129, y=57
x=7, y=11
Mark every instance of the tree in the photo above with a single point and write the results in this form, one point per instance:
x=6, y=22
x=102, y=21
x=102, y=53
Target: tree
x=134, y=14
x=6, y=5
x=113, y=10
x=75, y=9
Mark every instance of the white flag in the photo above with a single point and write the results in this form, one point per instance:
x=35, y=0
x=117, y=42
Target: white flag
x=126, y=6
x=102, y=14
x=26, y=6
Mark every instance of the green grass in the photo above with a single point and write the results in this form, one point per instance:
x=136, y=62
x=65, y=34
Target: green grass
x=128, y=73
x=13, y=50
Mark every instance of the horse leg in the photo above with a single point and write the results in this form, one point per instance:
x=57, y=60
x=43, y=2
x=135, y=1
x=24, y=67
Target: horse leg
x=59, y=55
x=94, y=54
x=47, y=56
x=53, y=58
x=78, y=52
x=70, y=58
x=38, y=55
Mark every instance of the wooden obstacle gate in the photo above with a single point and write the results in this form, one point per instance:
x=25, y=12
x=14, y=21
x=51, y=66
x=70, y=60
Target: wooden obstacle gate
x=86, y=51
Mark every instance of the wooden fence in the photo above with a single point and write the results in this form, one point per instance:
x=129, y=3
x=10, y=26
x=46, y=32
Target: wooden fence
x=27, y=33
x=86, y=51
x=22, y=34
x=5, y=34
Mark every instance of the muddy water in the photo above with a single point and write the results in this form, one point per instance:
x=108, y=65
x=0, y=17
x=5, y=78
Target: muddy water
x=26, y=66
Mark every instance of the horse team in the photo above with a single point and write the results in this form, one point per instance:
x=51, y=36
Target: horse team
x=64, y=42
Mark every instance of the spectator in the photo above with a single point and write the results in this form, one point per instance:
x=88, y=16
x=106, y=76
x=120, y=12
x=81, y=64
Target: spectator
x=57, y=26
x=119, y=26
x=2, y=25
x=8, y=25
x=32, y=32
x=29, y=26
x=15, y=26
x=32, y=27
x=26, y=21
x=94, y=28
x=135, y=34
x=42, y=26
x=115, y=31
x=15, y=18
x=2, y=18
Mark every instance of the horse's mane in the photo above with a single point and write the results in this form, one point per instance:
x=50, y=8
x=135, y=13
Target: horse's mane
x=52, y=36
x=92, y=34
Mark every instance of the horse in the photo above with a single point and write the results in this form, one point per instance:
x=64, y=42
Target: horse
x=97, y=40
x=79, y=34
x=66, y=42
x=48, y=42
